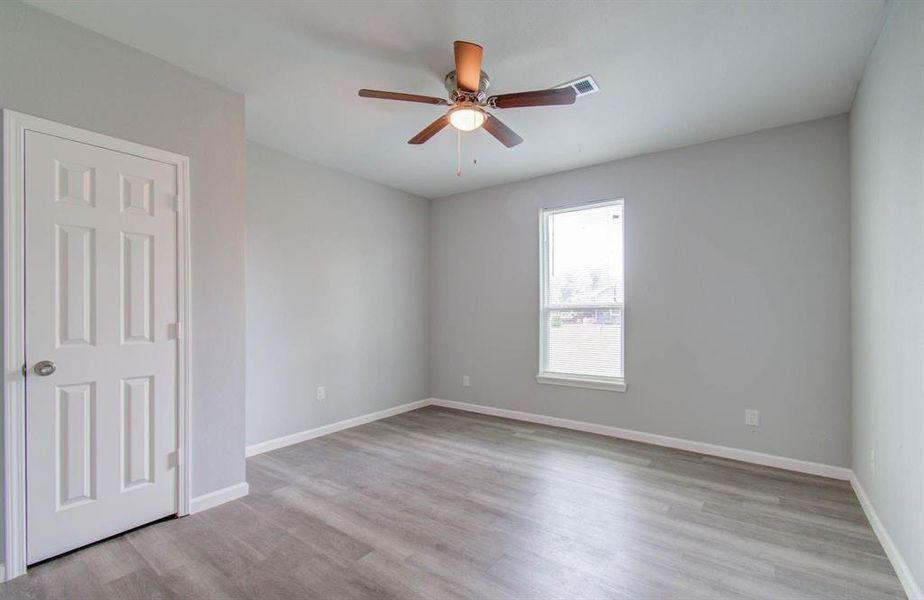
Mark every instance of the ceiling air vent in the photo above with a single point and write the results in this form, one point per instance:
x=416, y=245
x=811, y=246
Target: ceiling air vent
x=583, y=86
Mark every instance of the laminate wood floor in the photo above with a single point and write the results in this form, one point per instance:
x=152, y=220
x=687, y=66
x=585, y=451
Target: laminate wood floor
x=443, y=504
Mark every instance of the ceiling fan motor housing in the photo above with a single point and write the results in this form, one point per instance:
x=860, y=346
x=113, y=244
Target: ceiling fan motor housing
x=483, y=84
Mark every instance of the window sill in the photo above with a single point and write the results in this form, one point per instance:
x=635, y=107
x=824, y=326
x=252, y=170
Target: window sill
x=609, y=385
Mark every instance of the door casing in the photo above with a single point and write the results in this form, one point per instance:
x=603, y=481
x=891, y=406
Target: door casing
x=15, y=125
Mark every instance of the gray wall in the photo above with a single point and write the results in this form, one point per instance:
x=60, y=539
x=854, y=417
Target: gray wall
x=336, y=295
x=737, y=293
x=887, y=224
x=54, y=69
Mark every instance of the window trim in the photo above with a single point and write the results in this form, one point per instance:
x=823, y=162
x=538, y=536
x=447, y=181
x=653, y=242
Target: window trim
x=612, y=384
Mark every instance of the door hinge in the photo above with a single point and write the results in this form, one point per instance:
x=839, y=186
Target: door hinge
x=25, y=370
x=177, y=331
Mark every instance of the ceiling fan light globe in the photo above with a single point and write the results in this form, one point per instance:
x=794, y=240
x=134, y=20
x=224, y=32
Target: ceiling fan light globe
x=467, y=119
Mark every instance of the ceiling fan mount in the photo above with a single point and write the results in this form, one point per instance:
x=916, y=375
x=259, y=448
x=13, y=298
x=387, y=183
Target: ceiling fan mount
x=467, y=86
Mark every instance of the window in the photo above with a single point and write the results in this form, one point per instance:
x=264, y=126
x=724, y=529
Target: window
x=583, y=296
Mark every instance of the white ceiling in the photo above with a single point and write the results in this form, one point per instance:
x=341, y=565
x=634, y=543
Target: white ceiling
x=671, y=73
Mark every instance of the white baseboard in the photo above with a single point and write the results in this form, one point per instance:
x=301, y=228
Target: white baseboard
x=308, y=434
x=912, y=589
x=750, y=456
x=770, y=460
x=213, y=499
x=2, y=573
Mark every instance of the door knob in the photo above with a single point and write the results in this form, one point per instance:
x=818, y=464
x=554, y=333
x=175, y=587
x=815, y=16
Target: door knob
x=44, y=368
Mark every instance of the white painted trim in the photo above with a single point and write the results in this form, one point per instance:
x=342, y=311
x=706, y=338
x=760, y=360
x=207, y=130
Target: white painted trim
x=213, y=499
x=15, y=125
x=2, y=573
x=750, y=456
x=308, y=434
x=185, y=330
x=14, y=384
x=912, y=588
x=610, y=385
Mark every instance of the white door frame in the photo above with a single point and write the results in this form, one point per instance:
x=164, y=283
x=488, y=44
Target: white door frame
x=15, y=125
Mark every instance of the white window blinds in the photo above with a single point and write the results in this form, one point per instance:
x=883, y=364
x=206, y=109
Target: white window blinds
x=583, y=292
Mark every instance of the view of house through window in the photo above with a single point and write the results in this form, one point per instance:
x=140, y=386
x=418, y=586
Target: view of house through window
x=583, y=293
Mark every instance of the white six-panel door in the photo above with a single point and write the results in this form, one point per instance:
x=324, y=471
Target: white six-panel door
x=101, y=305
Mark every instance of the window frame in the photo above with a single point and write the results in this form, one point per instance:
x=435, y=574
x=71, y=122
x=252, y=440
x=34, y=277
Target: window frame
x=613, y=384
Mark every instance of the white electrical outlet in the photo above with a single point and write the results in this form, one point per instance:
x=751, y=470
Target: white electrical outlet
x=872, y=460
x=752, y=417
x=322, y=393
x=465, y=381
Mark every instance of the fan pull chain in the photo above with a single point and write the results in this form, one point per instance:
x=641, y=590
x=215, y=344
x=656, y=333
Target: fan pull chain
x=459, y=153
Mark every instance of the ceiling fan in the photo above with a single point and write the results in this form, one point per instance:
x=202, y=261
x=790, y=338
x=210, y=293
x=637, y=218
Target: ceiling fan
x=467, y=87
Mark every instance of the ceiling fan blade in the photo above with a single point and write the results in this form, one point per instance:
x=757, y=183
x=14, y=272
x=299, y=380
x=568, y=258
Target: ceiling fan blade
x=496, y=127
x=468, y=65
x=555, y=96
x=430, y=130
x=399, y=96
